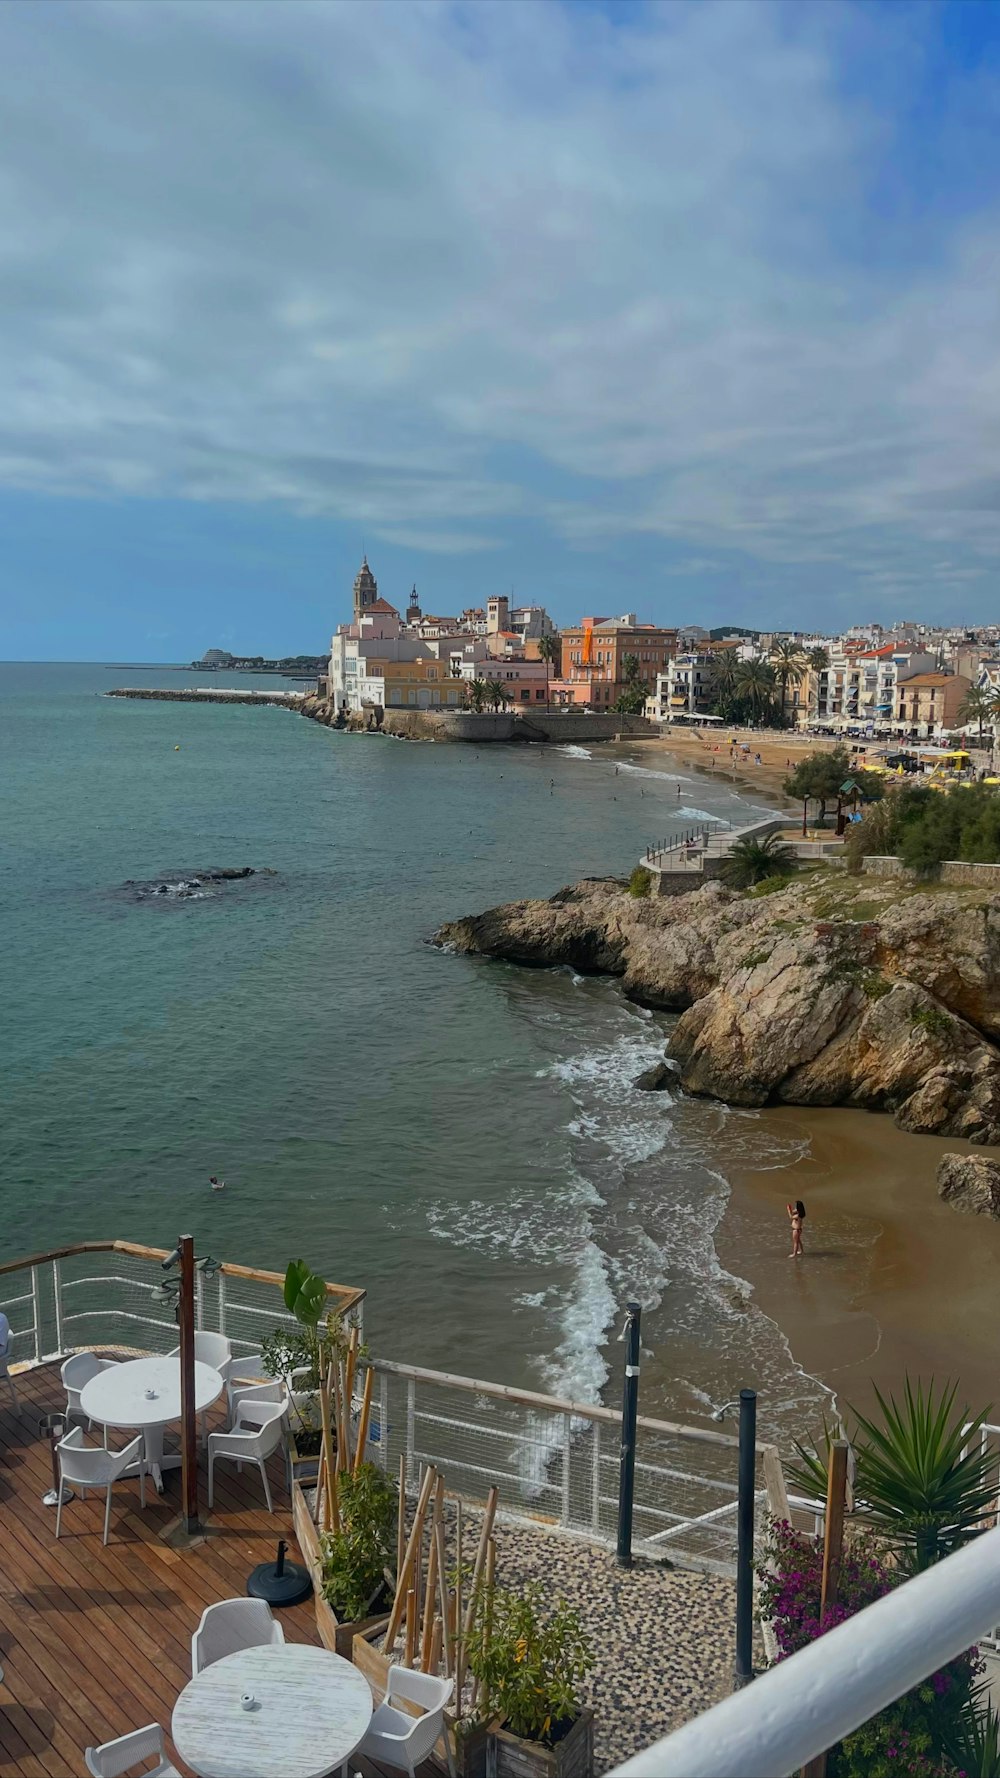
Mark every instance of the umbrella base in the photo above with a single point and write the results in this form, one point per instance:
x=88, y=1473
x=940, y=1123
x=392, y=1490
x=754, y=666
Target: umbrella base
x=289, y=1586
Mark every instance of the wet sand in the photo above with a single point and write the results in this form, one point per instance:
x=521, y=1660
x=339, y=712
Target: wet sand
x=711, y=752
x=893, y=1279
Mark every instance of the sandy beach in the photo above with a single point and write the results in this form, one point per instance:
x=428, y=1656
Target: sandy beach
x=893, y=1280
x=780, y=753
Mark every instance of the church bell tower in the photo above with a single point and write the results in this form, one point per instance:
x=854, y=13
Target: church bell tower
x=365, y=589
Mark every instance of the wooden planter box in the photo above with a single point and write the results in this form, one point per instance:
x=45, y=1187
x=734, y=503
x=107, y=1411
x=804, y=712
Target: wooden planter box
x=305, y=1465
x=572, y=1757
x=334, y=1635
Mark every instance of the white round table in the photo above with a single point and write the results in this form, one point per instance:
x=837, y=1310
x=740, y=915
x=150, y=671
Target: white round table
x=311, y=1711
x=120, y=1397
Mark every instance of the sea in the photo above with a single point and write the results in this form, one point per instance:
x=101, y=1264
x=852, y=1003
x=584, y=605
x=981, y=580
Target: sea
x=463, y=1139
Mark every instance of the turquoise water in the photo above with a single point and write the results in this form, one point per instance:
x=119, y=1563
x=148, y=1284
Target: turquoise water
x=463, y=1140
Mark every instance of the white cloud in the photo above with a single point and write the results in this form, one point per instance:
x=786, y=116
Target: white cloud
x=433, y=269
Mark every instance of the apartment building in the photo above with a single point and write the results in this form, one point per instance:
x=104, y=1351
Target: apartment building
x=593, y=654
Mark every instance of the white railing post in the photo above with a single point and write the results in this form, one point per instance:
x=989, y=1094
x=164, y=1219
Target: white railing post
x=222, y=1302
x=36, y=1311
x=383, y=1421
x=595, y=1480
x=199, y=1299
x=411, y=1424
x=567, y=1449
x=57, y=1299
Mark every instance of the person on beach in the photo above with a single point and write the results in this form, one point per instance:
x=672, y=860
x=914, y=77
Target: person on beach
x=796, y=1216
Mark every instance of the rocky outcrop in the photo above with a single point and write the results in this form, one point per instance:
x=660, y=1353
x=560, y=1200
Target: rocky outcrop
x=970, y=1183
x=895, y=1012
x=657, y=1078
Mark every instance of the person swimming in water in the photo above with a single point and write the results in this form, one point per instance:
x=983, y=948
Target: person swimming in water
x=796, y=1216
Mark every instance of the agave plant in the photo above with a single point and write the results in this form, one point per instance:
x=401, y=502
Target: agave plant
x=922, y=1479
x=974, y=1745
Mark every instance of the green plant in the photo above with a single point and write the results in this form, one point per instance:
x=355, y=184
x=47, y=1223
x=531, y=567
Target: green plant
x=754, y=958
x=921, y=1479
x=640, y=882
x=973, y=1745
x=355, y=1556
x=932, y=1020
x=874, y=985
x=752, y=861
x=770, y=886
x=530, y=1660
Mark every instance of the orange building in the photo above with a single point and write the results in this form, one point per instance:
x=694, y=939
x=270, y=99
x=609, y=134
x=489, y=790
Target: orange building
x=593, y=653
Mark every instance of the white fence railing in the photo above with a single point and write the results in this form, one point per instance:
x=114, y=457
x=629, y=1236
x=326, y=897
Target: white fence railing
x=110, y=1294
x=557, y=1462
x=806, y=1704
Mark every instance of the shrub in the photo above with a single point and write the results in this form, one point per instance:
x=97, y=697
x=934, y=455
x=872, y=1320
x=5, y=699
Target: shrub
x=932, y=1020
x=752, y=861
x=769, y=886
x=640, y=883
x=909, y=1737
x=530, y=1666
x=354, y=1557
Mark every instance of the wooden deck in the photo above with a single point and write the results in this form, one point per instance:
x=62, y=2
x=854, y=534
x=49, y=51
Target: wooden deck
x=95, y=1641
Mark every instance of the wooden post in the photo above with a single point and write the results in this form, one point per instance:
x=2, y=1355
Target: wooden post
x=189, y=1419
x=491, y=1568
x=436, y=1642
x=459, y=1664
x=401, y=1517
x=430, y=1592
x=833, y=1545
x=331, y=1500
x=366, y=1408
x=443, y=1598
x=411, y=1628
x=403, y=1578
x=477, y=1576
x=352, y=1358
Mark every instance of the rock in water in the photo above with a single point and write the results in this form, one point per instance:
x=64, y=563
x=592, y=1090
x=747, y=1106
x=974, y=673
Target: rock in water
x=657, y=1078
x=971, y=1183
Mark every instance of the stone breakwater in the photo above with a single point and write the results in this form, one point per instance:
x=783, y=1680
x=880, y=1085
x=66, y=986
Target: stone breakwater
x=783, y=1002
x=289, y=700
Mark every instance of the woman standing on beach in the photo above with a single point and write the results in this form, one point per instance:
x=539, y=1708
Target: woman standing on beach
x=796, y=1216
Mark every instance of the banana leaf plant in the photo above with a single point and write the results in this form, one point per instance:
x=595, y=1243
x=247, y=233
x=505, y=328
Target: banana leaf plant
x=923, y=1479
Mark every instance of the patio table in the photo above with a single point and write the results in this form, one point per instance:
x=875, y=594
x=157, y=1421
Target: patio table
x=143, y=1395
x=311, y=1710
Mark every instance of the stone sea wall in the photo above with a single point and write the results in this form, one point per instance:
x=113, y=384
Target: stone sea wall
x=466, y=725
x=954, y=871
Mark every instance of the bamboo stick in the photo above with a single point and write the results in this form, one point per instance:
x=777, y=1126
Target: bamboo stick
x=459, y=1663
x=436, y=1641
x=491, y=1568
x=401, y=1518
x=443, y=1594
x=331, y=1503
x=430, y=1599
x=411, y=1627
x=366, y=1408
x=477, y=1575
x=352, y=1359
x=404, y=1576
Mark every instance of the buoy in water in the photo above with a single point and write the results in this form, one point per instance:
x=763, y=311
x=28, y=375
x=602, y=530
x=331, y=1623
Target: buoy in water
x=177, y=749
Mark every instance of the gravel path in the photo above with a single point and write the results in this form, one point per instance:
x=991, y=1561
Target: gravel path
x=662, y=1637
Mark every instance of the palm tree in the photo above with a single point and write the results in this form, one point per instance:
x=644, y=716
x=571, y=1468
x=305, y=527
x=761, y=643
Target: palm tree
x=789, y=665
x=495, y=692
x=818, y=659
x=548, y=651
x=756, y=684
x=475, y=693
x=633, y=698
x=751, y=861
x=979, y=705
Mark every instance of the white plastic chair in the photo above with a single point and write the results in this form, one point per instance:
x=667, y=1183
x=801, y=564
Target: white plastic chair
x=6, y=1356
x=230, y=1626
x=400, y=1739
x=76, y=1373
x=259, y=1430
x=117, y=1757
x=210, y=1348
x=89, y=1466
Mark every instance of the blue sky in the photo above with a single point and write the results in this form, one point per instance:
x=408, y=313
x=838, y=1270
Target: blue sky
x=691, y=309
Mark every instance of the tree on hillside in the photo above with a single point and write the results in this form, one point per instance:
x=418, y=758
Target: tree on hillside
x=789, y=665
x=549, y=650
x=819, y=777
x=979, y=706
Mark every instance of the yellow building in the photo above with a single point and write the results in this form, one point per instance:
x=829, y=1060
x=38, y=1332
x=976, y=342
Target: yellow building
x=421, y=684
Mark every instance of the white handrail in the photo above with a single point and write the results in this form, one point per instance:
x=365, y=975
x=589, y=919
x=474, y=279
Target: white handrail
x=809, y=1702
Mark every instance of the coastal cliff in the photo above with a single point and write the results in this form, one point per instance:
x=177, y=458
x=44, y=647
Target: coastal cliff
x=811, y=996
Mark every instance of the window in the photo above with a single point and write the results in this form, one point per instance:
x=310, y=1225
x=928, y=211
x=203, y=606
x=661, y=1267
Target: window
x=525, y=696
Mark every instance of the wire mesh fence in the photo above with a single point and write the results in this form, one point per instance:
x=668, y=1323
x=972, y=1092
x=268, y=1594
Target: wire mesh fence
x=557, y=1463
x=117, y=1295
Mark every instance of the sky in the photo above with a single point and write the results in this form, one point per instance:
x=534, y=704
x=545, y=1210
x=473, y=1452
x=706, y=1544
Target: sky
x=686, y=309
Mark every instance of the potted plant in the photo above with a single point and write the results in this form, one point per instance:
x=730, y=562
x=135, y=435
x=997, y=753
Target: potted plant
x=355, y=1557
x=300, y=1356
x=530, y=1663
